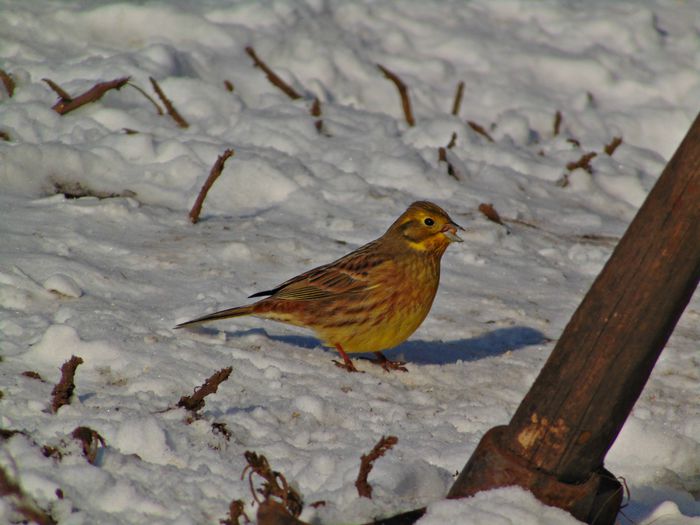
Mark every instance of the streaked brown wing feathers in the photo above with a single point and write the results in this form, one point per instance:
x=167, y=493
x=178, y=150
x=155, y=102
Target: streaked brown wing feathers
x=348, y=275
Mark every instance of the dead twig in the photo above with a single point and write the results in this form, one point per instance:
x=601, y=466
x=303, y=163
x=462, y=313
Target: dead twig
x=490, y=213
x=195, y=402
x=612, y=145
x=66, y=103
x=385, y=444
x=274, y=485
x=216, y=170
x=442, y=157
x=403, y=93
x=557, y=122
x=179, y=120
x=316, y=112
x=235, y=511
x=91, y=440
x=8, y=82
x=159, y=110
x=480, y=130
x=458, y=98
x=271, y=76
x=63, y=390
x=62, y=93
x=453, y=140
x=584, y=162
x=21, y=503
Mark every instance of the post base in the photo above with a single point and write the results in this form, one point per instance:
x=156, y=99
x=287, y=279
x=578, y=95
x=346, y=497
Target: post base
x=595, y=501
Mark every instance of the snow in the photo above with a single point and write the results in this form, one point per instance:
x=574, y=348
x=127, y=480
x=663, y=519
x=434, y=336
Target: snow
x=107, y=276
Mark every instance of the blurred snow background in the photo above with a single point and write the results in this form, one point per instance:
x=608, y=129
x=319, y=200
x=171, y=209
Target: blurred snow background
x=108, y=278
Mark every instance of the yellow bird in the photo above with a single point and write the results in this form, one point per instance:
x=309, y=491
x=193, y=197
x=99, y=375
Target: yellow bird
x=370, y=300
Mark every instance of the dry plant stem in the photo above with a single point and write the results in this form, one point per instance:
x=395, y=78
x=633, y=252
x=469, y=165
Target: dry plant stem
x=557, y=122
x=91, y=441
x=442, y=157
x=149, y=97
x=67, y=103
x=403, y=93
x=480, y=130
x=490, y=213
x=612, y=145
x=22, y=503
x=458, y=98
x=271, y=76
x=62, y=93
x=291, y=499
x=8, y=82
x=453, y=140
x=63, y=390
x=316, y=112
x=235, y=511
x=584, y=162
x=196, y=401
x=367, y=462
x=216, y=170
x=168, y=105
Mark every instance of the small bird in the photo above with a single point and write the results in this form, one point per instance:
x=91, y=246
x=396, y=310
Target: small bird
x=369, y=300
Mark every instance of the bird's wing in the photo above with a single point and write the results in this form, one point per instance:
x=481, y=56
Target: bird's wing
x=348, y=275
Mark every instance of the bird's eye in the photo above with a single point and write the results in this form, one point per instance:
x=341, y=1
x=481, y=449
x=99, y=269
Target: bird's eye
x=428, y=221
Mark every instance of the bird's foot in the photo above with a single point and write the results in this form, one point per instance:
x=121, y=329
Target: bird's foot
x=346, y=365
x=387, y=364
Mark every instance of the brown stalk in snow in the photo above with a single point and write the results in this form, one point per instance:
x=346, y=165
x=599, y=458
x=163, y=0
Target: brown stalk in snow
x=458, y=98
x=403, y=93
x=557, y=122
x=211, y=385
x=490, y=213
x=91, y=440
x=584, y=162
x=168, y=105
x=274, y=79
x=63, y=390
x=216, y=170
x=66, y=103
x=316, y=112
x=480, y=130
x=159, y=110
x=612, y=145
x=385, y=444
x=8, y=82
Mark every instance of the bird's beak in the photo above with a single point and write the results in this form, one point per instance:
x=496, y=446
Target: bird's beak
x=450, y=231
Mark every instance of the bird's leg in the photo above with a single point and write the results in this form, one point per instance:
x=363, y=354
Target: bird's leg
x=388, y=364
x=346, y=364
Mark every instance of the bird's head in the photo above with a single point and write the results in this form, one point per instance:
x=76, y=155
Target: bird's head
x=425, y=227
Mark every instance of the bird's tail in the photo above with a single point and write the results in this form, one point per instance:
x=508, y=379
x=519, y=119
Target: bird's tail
x=223, y=314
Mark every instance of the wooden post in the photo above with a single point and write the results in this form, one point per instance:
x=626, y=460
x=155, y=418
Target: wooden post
x=557, y=440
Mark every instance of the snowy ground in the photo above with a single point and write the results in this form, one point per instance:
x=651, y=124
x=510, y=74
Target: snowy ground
x=107, y=279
